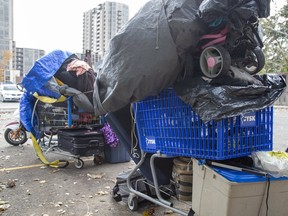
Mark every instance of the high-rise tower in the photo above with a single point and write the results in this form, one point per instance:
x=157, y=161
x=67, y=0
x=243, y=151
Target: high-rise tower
x=6, y=37
x=101, y=24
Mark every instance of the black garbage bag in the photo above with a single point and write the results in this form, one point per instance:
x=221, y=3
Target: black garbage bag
x=149, y=53
x=146, y=56
x=264, y=8
x=245, y=9
x=210, y=9
x=230, y=95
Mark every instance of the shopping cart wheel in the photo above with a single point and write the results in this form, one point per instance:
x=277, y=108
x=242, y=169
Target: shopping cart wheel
x=79, y=163
x=215, y=61
x=98, y=160
x=63, y=163
x=133, y=202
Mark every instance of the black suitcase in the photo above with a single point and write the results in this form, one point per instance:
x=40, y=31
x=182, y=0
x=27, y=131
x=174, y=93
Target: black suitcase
x=81, y=141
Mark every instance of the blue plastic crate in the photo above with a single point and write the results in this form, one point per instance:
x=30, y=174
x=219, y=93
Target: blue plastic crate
x=168, y=125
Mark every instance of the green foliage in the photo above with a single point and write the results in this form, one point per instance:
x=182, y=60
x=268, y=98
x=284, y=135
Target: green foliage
x=276, y=41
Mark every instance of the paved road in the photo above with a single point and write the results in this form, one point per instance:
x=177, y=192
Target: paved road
x=46, y=191
x=280, y=138
x=9, y=105
x=41, y=190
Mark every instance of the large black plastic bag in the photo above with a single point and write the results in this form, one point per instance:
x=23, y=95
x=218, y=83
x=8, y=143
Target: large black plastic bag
x=213, y=100
x=146, y=56
x=264, y=8
x=243, y=8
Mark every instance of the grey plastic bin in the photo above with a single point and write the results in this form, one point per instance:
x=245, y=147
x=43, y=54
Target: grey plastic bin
x=118, y=154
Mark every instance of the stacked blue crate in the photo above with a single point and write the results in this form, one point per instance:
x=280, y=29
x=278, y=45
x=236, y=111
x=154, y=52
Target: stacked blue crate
x=168, y=125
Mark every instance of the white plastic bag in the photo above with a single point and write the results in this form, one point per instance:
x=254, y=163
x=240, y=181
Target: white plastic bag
x=273, y=162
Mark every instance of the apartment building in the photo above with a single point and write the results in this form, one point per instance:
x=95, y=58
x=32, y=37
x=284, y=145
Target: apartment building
x=6, y=37
x=25, y=59
x=100, y=24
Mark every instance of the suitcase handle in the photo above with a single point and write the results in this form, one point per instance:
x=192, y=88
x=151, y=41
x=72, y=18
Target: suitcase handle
x=93, y=141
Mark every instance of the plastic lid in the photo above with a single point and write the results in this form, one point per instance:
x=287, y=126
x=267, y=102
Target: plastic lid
x=241, y=176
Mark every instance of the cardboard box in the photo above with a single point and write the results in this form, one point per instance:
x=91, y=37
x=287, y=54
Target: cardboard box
x=215, y=195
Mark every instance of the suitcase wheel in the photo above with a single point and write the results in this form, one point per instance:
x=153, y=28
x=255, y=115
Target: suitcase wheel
x=133, y=202
x=98, y=160
x=79, y=163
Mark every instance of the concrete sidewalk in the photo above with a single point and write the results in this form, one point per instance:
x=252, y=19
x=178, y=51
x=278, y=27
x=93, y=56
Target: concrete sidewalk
x=41, y=190
x=33, y=189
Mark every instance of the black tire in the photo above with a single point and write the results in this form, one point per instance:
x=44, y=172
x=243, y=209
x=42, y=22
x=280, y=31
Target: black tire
x=19, y=140
x=254, y=61
x=221, y=61
x=63, y=163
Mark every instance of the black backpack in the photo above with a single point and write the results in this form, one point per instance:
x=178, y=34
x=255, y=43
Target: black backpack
x=138, y=181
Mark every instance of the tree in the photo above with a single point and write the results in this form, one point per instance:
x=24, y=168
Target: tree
x=4, y=63
x=276, y=41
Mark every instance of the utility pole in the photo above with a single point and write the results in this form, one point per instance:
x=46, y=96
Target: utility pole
x=4, y=62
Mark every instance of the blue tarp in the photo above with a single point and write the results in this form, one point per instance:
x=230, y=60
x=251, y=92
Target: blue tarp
x=35, y=81
x=43, y=70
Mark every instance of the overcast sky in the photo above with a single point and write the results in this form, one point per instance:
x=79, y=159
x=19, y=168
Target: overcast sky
x=55, y=24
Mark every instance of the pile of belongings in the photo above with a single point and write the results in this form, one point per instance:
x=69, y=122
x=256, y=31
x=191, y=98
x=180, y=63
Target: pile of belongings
x=206, y=49
x=54, y=77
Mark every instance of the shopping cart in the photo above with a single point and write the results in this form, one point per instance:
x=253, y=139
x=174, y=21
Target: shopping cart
x=59, y=117
x=62, y=130
x=167, y=127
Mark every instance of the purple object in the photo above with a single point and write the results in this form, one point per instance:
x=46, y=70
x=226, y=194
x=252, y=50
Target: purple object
x=110, y=137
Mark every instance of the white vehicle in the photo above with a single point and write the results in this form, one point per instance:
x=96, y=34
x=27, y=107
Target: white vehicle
x=9, y=92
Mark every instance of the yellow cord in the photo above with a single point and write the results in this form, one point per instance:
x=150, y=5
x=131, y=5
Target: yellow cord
x=42, y=157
